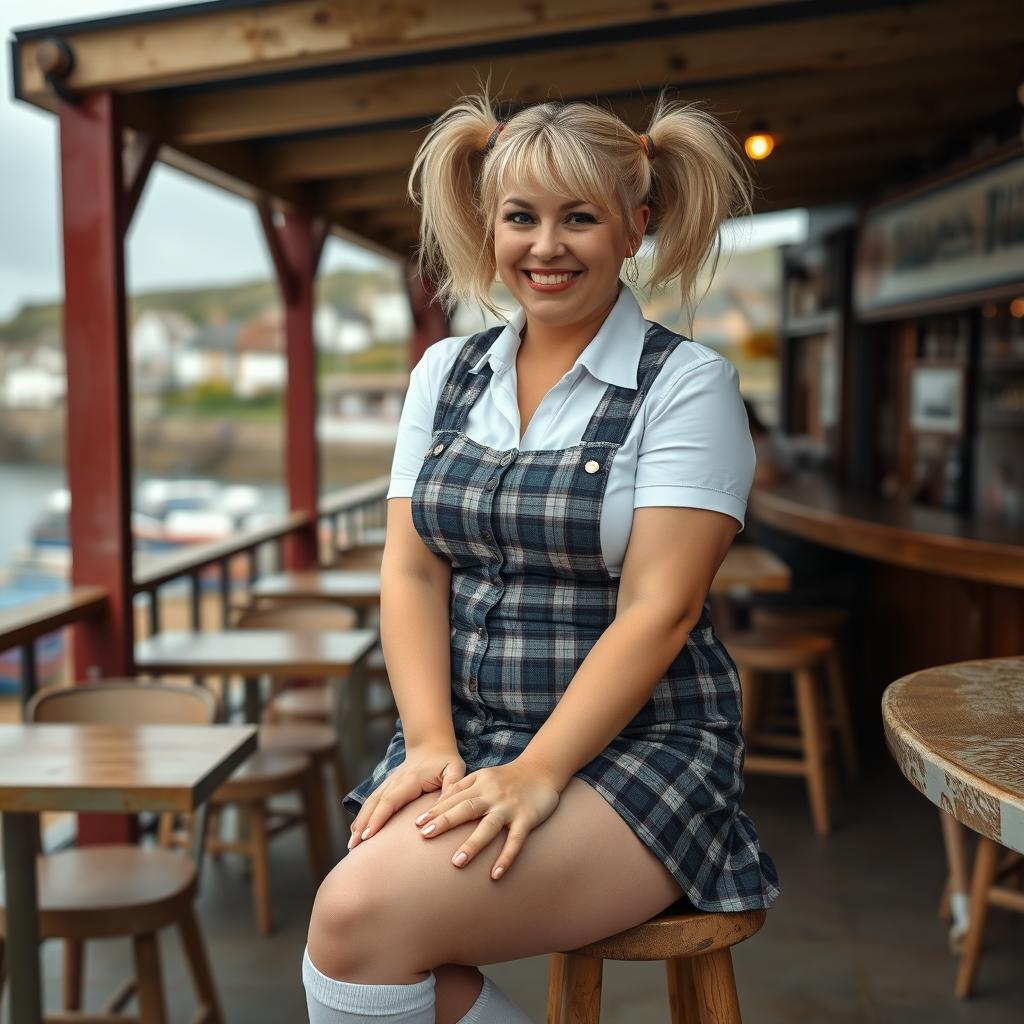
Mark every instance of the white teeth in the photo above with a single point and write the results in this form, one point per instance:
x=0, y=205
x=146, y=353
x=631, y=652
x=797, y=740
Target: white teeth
x=549, y=278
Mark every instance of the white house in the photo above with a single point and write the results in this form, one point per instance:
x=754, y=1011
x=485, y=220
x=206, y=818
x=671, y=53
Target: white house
x=391, y=317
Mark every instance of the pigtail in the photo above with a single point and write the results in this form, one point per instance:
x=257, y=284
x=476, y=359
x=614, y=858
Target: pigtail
x=700, y=180
x=443, y=183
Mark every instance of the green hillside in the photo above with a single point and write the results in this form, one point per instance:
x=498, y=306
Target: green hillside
x=202, y=305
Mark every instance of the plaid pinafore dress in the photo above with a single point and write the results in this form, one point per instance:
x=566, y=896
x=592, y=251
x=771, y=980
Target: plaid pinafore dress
x=530, y=596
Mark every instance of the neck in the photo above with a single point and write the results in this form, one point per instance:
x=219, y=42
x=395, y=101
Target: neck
x=561, y=343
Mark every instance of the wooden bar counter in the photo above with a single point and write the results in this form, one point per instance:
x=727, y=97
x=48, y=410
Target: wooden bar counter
x=932, y=587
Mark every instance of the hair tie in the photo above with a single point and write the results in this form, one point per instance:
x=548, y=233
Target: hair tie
x=493, y=137
x=648, y=144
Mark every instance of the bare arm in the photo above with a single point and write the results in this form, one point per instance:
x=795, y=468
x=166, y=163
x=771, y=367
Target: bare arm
x=672, y=557
x=415, y=630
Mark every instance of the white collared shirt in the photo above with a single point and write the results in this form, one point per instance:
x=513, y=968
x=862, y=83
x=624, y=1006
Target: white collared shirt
x=689, y=444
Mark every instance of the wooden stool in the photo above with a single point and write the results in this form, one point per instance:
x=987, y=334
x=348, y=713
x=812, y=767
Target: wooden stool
x=100, y=892
x=985, y=893
x=804, y=656
x=833, y=622
x=695, y=947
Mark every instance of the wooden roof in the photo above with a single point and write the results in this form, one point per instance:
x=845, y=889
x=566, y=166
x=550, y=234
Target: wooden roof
x=326, y=101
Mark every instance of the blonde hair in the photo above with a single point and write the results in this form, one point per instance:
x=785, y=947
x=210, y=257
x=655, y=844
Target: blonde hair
x=694, y=182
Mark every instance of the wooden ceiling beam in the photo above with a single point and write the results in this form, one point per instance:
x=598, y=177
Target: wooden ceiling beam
x=175, y=48
x=872, y=38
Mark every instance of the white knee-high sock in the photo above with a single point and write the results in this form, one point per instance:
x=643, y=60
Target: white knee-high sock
x=492, y=1006
x=329, y=1001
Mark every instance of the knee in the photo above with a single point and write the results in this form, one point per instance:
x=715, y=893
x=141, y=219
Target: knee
x=344, y=919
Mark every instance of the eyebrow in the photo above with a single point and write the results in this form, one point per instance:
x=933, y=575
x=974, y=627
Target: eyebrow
x=564, y=206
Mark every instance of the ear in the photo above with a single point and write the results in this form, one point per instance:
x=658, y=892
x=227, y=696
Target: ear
x=641, y=218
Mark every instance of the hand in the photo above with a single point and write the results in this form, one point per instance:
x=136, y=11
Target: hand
x=426, y=768
x=512, y=794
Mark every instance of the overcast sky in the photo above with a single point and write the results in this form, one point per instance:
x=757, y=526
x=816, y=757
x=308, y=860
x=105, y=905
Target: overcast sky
x=184, y=232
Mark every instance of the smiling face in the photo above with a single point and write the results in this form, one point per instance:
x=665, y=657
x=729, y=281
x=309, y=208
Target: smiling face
x=573, y=247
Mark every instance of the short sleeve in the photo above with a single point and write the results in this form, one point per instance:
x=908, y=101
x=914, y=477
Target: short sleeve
x=415, y=429
x=696, y=450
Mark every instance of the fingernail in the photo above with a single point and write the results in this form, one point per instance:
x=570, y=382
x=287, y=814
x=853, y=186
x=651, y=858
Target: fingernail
x=430, y=828
x=352, y=841
x=366, y=834
x=460, y=858
x=497, y=872
x=422, y=818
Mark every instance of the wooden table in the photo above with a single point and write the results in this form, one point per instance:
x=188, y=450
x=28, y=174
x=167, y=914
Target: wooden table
x=957, y=734
x=278, y=653
x=104, y=768
x=358, y=590
x=751, y=568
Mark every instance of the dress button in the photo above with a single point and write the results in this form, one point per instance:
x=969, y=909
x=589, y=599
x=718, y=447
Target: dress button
x=491, y=484
x=438, y=449
x=486, y=535
x=592, y=466
x=472, y=683
x=479, y=630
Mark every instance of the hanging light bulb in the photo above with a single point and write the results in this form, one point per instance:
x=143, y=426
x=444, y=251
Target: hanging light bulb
x=760, y=142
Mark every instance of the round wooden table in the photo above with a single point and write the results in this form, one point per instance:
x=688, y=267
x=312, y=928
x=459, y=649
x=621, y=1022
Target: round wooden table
x=957, y=734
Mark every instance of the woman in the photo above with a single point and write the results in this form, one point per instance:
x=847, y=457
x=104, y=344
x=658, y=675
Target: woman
x=569, y=721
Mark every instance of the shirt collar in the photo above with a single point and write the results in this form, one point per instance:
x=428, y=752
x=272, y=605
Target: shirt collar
x=613, y=354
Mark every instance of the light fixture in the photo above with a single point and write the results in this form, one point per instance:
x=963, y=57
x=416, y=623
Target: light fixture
x=760, y=142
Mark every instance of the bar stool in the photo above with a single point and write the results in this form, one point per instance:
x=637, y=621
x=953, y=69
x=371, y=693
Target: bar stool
x=804, y=656
x=108, y=891
x=832, y=621
x=695, y=947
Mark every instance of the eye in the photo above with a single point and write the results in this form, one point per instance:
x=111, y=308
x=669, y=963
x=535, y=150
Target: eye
x=589, y=218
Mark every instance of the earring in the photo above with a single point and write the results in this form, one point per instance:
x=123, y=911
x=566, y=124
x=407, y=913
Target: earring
x=632, y=271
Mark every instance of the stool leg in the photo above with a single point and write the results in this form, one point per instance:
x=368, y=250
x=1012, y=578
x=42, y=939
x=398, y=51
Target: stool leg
x=74, y=954
x=199, y=966
x=812, y=734
x=314, y=808
x=986, y=860
x=149, y=981
x=750, y=686
x=683, y=1007
x=258, y=858
x=838, y=691
x=716, y=988
x=574, y=989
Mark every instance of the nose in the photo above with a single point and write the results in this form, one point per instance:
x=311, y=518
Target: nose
x=547, y=243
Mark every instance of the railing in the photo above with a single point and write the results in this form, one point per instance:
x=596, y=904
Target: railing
x=21, y=627
x=345, y=514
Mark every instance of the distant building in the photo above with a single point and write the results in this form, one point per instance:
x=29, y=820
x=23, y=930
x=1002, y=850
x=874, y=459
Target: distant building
x=261, y=362
x=341, y=330
x=33, y=379
x=210, y=356
x=156, y=338
x=391, y=317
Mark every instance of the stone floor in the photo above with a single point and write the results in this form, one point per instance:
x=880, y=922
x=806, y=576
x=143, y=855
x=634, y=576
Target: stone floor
x=854, y=938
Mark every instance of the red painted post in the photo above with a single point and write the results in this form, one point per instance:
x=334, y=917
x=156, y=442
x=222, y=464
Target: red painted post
x=429, y=320
x=302, y=453
x=98, y=421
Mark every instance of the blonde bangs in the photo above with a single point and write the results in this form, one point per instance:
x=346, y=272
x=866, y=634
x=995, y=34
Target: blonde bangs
x=533, y=162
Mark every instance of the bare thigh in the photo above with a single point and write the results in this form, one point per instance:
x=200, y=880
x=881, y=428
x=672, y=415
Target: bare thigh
x=396, y=906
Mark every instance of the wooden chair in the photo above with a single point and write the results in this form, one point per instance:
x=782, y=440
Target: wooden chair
x=100, y=892
x=695, y=947
x=804, y=656
x=832, y=621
